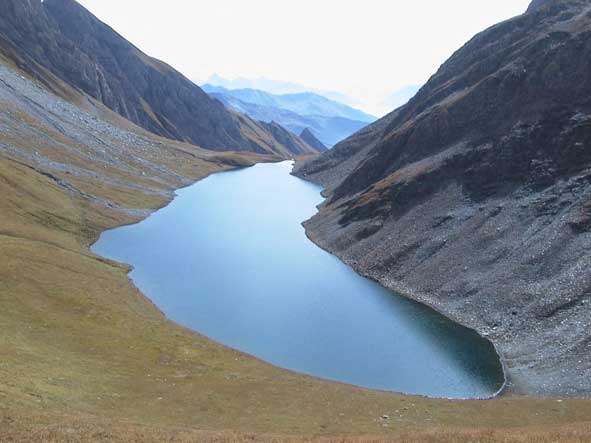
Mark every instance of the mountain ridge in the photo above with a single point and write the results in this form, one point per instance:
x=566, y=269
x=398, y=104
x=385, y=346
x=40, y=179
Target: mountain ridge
x=308, y=136
x=474, y=197
x=331, y=121
x=85, y=356
x=303, y=103
x=276, y=87
x=62, y=37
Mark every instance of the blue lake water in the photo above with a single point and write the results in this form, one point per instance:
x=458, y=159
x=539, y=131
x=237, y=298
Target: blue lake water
x=229, y=259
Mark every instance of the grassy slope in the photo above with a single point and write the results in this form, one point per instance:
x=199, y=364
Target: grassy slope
x=85, y=357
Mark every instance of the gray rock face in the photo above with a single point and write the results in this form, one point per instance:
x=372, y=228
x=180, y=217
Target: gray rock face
x=538, y=4
x=475, y=197
x=65, y=39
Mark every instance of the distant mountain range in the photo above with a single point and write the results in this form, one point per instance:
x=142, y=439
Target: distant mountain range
x=276, y=87
x=328, y=120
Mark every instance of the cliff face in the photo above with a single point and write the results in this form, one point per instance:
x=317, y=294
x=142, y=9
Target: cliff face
x=475, y=197
x=62, y=37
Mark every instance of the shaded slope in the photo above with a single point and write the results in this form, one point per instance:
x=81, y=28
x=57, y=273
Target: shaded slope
x=474, y=197
x=294, y=144
x=311, y=139
x=61, y=37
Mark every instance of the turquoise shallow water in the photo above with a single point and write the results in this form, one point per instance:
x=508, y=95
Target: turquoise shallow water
x=229, y=258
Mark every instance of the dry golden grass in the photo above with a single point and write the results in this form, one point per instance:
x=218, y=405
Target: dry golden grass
x=85, y=357
x=68, y=429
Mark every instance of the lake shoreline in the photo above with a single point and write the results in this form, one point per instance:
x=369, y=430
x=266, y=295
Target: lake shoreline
x=510, y=385
x=302, y=371
x=411, y=296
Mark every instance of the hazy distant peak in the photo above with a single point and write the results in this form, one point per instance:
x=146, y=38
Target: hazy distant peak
x=276, y=87
x=329, y=121
x=304, y=103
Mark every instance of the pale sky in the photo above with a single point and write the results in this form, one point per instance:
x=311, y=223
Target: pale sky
x=366, y=49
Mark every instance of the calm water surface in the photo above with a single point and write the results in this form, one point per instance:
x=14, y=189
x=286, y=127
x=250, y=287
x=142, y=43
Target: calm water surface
x=229, y=258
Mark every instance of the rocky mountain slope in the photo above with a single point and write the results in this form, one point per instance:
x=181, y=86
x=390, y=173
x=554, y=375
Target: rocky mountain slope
x=309, y=137
x=83, y=354
x=296, y=145
x=475, y=197
x=331, y=121
x=59, y=38
x=93, y=155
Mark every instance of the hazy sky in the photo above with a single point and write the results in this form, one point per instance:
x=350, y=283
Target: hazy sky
x=366, y=49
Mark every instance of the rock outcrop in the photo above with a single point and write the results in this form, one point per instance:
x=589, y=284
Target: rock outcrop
x=475, y=197
x=64, y=39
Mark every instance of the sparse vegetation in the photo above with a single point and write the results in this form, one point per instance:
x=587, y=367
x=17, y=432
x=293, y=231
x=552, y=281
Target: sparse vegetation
x=78, y=429
x=85, y=357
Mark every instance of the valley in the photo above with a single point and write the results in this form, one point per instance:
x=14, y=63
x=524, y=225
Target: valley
x=471, y=199
x=228, y=258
